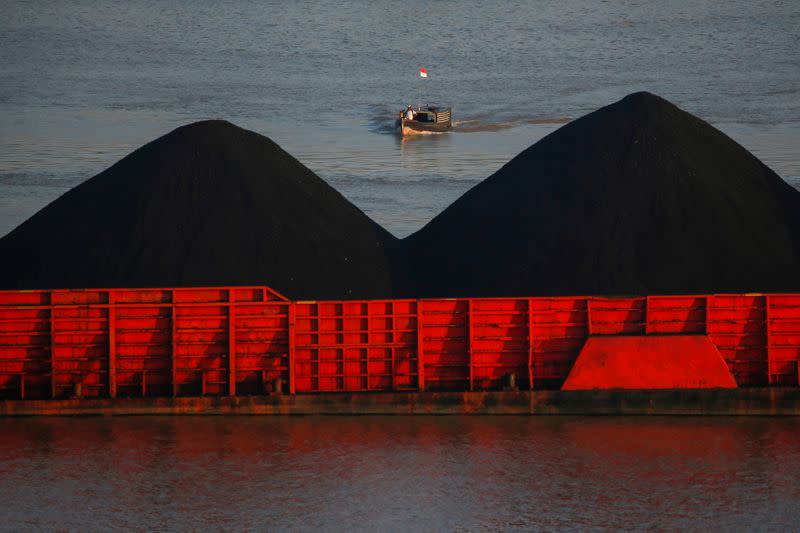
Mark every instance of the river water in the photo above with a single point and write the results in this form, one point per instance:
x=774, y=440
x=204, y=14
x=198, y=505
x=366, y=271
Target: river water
x=83, y=83
x=369, y=473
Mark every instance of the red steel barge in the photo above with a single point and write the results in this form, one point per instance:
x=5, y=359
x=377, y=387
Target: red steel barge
x=250, y=350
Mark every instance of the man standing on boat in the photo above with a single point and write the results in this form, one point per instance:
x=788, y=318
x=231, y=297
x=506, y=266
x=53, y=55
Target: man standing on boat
x=409, y=113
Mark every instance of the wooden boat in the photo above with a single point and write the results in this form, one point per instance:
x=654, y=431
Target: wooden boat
x=427, y=119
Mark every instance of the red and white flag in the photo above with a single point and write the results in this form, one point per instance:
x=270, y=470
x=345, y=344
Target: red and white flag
x=423, y=73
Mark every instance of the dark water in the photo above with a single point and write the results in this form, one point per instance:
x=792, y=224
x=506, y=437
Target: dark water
x=400, y=474
x=83, y=83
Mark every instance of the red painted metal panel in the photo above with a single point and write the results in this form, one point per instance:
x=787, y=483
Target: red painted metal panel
x=355, y=346
x=737, y=325
x=112, y=346
x=24, y=344
x=79, y=343
x=676, y=314
x=290, y=332
x=444, y=329
x=784, y=339
x=617, y=316
x=649, y=362
x=529, y=309
x=231, y=343
x=128, y=342
x=559, y=330
x=201, y=344
x=499, y=347
x=249, y=340
x=262, y=346
x=143, y=335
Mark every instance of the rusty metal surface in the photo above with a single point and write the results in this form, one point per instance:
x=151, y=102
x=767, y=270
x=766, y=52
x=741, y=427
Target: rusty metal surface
x=761, y=401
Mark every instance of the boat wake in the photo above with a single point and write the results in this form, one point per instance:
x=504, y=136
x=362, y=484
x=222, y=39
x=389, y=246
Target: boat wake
x=483, y=124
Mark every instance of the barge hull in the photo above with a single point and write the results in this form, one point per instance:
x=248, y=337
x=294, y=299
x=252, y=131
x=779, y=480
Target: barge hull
x=231, y=344
x=715, y=402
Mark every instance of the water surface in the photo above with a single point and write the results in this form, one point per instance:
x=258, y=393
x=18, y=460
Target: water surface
x=399, y=473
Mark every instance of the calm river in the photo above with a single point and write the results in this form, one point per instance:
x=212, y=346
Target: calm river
x=399, y=473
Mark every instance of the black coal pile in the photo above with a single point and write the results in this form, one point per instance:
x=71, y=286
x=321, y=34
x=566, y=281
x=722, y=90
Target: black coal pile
x=638, y=197
x=207, y=204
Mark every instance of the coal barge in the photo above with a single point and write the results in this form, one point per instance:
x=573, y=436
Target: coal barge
x=638, y=197
x=250, y=350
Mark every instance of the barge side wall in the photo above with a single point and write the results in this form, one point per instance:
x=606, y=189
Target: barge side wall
x=251, y=341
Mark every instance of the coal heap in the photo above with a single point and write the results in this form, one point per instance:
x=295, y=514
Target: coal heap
x=638, y=197
x=207, y=204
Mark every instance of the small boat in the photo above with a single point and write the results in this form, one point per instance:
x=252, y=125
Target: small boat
x=427, y=119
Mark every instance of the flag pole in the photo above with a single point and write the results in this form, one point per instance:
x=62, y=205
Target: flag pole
x=423, y=73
